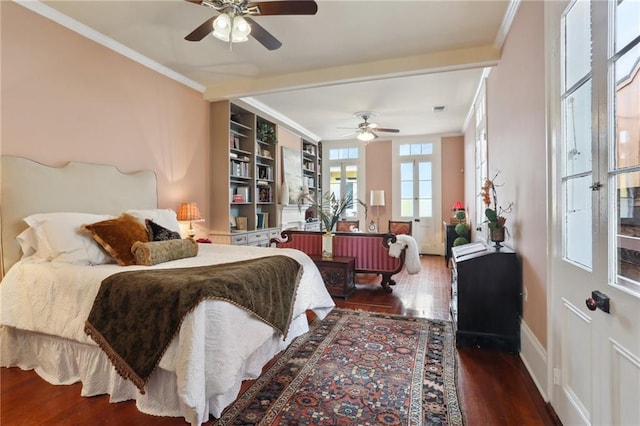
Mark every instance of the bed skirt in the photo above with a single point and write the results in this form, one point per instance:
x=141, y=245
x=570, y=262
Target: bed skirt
x=61, y=361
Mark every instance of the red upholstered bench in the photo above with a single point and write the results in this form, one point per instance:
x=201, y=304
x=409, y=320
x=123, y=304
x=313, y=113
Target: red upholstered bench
x=371, y=251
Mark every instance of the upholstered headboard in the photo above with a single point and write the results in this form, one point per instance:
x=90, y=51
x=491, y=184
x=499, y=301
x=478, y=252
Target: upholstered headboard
x=29, y=187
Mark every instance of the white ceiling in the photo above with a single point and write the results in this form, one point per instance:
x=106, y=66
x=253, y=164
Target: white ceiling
x=397, y=58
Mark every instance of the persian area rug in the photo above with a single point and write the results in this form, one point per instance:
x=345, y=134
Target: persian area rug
x=357, y=368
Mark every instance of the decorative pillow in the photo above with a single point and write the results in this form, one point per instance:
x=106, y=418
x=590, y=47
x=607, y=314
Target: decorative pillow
x=163, y=217
x=160, y=233
x=154, y=252
x=117, y=236
x=58, y=237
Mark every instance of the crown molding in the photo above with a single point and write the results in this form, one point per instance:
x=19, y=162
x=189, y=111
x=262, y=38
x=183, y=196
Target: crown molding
x=280, y=117
x=85, y=31
x=507, y=20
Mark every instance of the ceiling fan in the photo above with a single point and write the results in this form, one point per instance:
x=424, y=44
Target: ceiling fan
x=366, y=130
x=234, y=24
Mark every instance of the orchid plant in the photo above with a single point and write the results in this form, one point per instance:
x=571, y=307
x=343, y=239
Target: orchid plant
x=494, y=212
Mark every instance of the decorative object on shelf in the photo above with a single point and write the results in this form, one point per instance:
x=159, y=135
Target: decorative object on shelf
x=241, y=223
x=494, y=211
x=189, y=212
x=266, y=132
x=376, y=200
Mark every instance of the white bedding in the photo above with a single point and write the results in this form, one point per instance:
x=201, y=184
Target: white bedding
x=218, y=346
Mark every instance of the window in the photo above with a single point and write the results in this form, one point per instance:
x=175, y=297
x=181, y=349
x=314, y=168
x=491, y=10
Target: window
x=416, y=180
x=624, y=131
x=482, y=170
x=601, y=138
x=344, y=166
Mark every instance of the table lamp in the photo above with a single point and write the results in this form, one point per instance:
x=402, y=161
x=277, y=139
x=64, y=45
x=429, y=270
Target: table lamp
x=377, y=200
x=189, y=212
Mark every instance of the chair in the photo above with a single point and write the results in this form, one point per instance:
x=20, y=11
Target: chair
x=399, y=227
x=345, y=225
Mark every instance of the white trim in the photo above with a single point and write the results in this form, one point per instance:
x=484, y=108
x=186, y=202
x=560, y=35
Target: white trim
x=507, y=20
x=70, y=23
x=280, y=117
x=534, y=358
x=470, y=114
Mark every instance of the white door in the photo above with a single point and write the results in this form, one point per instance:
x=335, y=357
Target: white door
x=594, y=105
x=417, y=183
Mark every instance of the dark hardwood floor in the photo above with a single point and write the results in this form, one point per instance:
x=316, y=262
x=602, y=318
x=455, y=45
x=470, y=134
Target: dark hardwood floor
x=494, y=388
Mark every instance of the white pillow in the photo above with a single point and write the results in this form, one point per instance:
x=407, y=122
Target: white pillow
x=60, y=239
x=29, y=244
x=164, y=217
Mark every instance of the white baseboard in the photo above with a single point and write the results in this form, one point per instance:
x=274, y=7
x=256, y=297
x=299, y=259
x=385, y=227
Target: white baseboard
x=534, y=357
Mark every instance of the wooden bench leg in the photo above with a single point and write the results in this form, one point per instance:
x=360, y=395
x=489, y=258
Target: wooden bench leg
x=387, y=282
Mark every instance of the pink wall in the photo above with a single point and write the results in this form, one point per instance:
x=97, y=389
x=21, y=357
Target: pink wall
x=65, y=97
x=516, y=136
x=453, y=172
x=378, y=176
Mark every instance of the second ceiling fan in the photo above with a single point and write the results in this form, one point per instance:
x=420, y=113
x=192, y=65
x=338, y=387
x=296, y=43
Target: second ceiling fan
x=367, y=130
x=234, y=25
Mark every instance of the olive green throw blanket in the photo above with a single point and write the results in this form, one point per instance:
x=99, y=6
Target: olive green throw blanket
x=136, y=314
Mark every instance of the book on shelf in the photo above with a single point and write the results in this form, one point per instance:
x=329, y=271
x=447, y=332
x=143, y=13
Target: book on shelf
x=262, y=220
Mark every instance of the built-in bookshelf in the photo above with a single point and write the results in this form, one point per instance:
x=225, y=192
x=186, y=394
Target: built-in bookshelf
x=243, y=149
x=311, y=172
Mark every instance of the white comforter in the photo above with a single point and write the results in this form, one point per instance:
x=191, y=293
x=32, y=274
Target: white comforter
x=218, y=346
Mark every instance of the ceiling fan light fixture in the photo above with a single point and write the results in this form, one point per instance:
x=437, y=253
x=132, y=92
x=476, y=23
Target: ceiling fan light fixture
x=366, y=136
x=241, y=29
x=232, y=27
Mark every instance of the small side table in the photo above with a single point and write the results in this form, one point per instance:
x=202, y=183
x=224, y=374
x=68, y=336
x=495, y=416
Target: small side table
x=338, y=274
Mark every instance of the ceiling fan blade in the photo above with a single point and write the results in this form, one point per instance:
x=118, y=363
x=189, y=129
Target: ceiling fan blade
x=380, y=129
x=285, y=7
x=263, y=36
x=202, y=31
x=194, y=1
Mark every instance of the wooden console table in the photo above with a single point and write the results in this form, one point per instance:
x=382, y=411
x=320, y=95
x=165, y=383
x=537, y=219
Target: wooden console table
x=338, y=274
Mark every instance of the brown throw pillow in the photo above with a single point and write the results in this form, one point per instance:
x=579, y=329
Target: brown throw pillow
x=117, y=236
x=154, y=252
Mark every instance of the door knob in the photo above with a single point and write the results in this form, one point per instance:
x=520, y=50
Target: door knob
x=598, y=300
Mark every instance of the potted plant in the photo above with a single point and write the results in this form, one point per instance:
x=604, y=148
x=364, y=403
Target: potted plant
x=330, y=210
x=495, y=220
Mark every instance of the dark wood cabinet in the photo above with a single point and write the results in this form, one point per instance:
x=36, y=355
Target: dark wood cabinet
x=338, y=274
x=486, y=296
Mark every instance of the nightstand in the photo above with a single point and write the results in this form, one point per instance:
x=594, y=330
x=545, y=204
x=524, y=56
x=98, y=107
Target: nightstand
x=338, y=274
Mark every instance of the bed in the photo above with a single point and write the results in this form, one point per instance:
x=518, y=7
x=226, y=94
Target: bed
x=44, y=304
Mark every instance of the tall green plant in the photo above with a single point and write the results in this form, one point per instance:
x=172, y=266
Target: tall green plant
x=331, y=208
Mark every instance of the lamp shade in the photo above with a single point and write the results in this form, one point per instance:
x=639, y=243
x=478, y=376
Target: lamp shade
x=457, y=206
x=377, y=197
x=366, y=136
x=189, y=212
x=234, y=27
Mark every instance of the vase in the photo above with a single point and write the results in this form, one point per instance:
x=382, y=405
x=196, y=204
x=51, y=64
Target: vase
x=327, y=245
x=284, y=193
x=497, y=235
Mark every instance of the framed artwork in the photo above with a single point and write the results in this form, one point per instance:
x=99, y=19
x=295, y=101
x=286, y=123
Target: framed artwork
x=292, y=172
